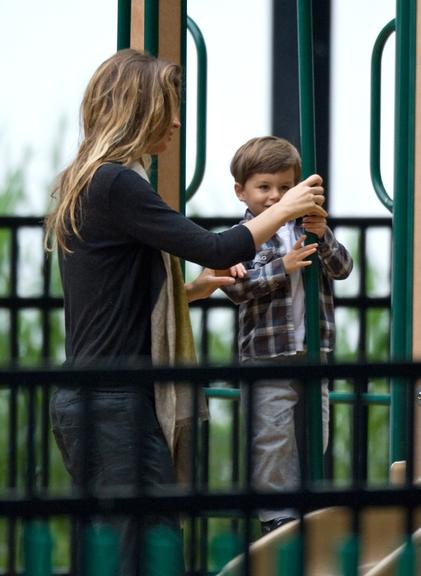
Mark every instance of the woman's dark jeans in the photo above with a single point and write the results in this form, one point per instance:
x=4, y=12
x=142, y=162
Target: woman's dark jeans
x=126, y=452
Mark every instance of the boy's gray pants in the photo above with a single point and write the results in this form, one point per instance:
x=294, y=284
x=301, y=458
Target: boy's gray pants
x=277, y=423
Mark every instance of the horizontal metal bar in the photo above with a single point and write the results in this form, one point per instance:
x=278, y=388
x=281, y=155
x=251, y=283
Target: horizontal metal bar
x=225, y=393
x=204, y=373
x=350, y=398
x=196, y=503
x=21, y=221
x=334, y=397
x=346, y=221
x=38, y=302
x=360, y=302
x=363, y=302
x=52, y=302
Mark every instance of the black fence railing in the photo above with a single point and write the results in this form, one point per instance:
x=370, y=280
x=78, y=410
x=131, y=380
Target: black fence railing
x=32, y=332
x=37, y=519
x=31, y=299
x=32, y=325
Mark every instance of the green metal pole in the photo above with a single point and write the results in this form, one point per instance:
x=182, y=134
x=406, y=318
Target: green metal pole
x=162, y=553
x=223, y=548
x=151, y=45
x=403, y=220
x=311, y=279
x=290, y=557
x=123, y=24
x=202, y=64
x=151, y=32
x=375, y=115
x=99, y=554
x=37, y=549
x=408, y=559
x=183, y=114
x=349, y=555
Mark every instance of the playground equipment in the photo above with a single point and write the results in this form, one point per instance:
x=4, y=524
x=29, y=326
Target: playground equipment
x=330, y=546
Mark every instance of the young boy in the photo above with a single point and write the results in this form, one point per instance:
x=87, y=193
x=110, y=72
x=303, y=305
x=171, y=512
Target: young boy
x=271, y=320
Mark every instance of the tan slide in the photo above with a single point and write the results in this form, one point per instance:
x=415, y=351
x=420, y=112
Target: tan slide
x=381, y=543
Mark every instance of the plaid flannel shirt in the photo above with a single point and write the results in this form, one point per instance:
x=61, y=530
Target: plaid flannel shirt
x=266, y=324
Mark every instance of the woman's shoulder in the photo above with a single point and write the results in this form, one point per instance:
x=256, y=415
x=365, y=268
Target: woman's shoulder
x=115, y=174
x=109, y=171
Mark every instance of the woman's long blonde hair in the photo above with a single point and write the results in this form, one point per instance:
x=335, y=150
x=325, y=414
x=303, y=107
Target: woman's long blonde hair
x=129, y=104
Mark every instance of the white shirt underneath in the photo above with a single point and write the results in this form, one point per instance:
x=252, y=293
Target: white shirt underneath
x=287, y=235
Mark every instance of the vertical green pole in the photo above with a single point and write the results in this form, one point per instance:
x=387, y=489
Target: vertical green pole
x=349, y=556
x=290, y=557
x=162, y=553
x=99, y=554
x=183, y=119
x=151, y=32
x=403, y=220
x=223, y=548
x=37, y=549
x=408, y=560
x=151, y=45
x=311, y=280
x=123, y=24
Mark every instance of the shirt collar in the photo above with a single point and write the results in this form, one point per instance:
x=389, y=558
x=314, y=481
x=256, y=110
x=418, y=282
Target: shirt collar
x=137, y=167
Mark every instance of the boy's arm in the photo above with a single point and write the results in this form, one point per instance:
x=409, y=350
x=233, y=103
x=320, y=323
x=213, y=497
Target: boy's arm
x=334, y=257
x=258, y=282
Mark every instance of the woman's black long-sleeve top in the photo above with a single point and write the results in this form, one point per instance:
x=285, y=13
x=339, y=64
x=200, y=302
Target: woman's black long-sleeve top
x=115, y=271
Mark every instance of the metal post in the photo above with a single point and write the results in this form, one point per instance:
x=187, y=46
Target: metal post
x=123, y=24
x=403, y=218
x=38, y=545
x=311, y=280
x=183, y=113
x=151, y=45
x=100, y=551
x=152, y=26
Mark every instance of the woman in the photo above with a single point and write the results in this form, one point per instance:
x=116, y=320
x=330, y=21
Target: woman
x=122, y=296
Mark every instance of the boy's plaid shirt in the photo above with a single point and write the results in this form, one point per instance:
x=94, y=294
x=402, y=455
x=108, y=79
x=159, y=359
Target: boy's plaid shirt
x=266, y=325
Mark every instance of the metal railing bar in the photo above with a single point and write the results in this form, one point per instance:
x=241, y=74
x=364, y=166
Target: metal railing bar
x=334, y=397
x=40, y=376
x=38, y=302
x=375, y=105
x=357, y=302
x=14, y=222
x=200, y=162
x=352, y=498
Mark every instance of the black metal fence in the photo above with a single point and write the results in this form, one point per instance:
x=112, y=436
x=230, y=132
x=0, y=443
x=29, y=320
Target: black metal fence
x=30, y=293
x=220, y=499
x=38, y=518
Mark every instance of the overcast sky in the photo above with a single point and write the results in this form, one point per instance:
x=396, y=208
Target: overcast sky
x=50, y=48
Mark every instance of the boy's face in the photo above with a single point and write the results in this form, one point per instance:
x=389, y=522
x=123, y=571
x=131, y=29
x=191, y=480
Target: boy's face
x=262, y=190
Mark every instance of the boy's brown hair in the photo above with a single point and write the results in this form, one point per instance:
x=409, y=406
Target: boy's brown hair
x=265, y=155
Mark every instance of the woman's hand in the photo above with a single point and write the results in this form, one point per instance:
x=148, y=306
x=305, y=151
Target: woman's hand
x=305, y=198
x=209, y=280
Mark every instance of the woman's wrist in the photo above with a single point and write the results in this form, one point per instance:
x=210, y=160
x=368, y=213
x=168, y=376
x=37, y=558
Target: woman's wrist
x=190, y=292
